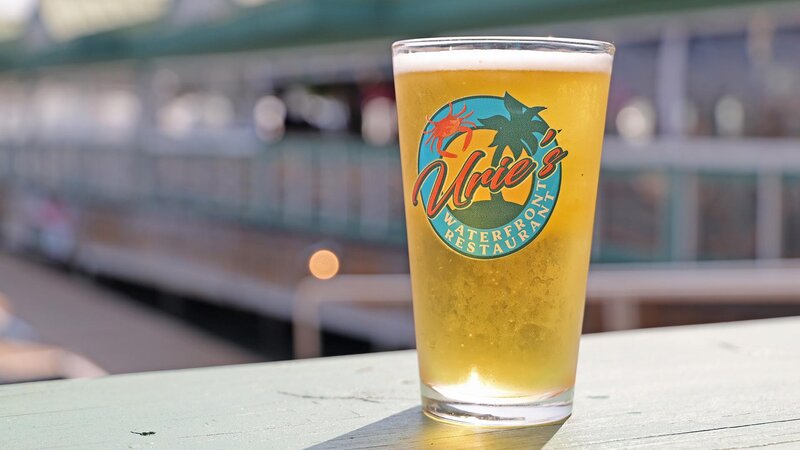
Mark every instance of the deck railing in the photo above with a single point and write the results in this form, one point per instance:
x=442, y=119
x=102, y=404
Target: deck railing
x=681, y=200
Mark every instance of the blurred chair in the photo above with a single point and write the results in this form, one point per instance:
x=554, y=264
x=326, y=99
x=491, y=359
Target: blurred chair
x=25, y=361
x=12, y=327
x=22, y=360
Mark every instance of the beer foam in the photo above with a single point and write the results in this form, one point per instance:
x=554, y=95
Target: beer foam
x=497, y=59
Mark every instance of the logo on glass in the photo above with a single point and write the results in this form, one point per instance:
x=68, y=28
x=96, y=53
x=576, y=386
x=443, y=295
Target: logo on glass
x=489, y=173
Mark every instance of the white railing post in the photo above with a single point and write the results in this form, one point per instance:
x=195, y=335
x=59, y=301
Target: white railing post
x=769, y=216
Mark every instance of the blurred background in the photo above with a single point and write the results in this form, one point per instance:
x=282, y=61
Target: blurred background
x=187, y=183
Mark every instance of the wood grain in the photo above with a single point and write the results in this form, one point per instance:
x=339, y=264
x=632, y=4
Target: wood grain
x=710, y=387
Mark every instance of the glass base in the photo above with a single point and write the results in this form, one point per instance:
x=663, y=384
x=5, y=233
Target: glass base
x=500, y=412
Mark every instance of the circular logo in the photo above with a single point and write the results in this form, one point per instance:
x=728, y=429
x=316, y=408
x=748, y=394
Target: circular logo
x=489, y=174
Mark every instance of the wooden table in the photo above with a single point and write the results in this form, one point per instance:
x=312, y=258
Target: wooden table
x=713, y=386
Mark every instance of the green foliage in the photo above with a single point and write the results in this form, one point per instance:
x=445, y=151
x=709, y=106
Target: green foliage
x=516, y=132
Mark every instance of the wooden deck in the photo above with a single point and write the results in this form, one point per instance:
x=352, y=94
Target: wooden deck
x=708, y=387
x=116, y=334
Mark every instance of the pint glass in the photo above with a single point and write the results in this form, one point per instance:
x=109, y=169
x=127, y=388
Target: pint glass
x=500, y=141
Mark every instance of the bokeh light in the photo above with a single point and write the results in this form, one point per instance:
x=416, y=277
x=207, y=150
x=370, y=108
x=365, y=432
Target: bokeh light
x=379, y=123
x=269, y=117
x=636, y=121
x=323, y=264
x=729, y=116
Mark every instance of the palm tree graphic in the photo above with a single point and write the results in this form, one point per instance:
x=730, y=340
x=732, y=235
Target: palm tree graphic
x=515, y=133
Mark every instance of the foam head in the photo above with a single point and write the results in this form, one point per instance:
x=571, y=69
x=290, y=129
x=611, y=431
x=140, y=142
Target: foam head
x=497, y=59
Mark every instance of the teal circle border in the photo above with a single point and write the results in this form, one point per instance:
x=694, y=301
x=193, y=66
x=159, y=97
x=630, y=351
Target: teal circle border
x=484, y=106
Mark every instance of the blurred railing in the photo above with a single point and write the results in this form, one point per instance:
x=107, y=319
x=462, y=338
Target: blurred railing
x=699, y=199
x=681, y=200
x=619, y=290
x=327, y=186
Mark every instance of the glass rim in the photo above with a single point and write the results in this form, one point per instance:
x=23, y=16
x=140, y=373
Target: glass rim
x=544, y=43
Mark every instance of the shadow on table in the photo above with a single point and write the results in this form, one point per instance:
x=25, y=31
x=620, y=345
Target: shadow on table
x=411, y=429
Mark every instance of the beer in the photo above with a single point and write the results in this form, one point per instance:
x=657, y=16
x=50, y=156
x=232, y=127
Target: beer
x=500, y=158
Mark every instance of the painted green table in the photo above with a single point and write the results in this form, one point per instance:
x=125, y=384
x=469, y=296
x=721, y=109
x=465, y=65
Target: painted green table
x=715, y=386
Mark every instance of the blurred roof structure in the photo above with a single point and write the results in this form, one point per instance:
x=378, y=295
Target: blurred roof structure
x=67, y=20
x=13, y=15
x=75, y=31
